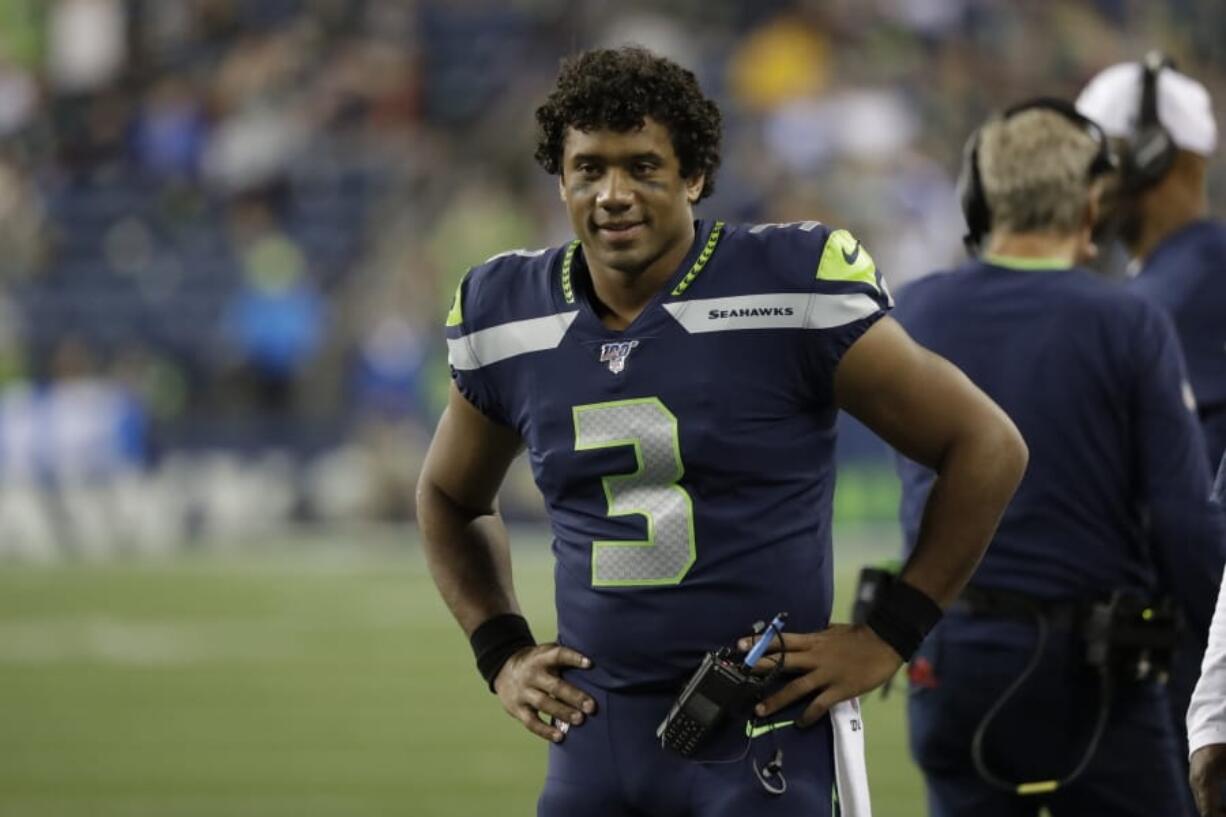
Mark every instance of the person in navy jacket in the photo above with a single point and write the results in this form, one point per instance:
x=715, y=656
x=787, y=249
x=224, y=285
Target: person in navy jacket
x=1006, y=715
x=1163, y=122
x=1165, y=125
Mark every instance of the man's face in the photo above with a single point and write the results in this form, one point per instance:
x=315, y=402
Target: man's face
x=1130, y=221
x=1108, y=193
x=1121, y=215
x=627, y=201
x=1118, y=212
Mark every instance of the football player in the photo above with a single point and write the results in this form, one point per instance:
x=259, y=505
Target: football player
x=675, y=383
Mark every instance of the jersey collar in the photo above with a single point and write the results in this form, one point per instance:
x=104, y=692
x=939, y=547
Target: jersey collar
x=1017, y=262
x=706, y=237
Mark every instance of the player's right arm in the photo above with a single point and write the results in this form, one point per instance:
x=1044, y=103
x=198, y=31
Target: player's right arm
x=468, y=553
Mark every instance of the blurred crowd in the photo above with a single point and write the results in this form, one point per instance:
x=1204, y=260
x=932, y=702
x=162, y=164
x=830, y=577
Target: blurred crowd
x=229, y=229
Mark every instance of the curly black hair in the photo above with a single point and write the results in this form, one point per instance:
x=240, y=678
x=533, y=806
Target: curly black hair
x=617, y=89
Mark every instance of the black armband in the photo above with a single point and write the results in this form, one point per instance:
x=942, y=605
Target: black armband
x=496, y=640
x=902, y=617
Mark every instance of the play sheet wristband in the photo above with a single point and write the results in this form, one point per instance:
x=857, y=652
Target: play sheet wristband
x=902, y=617
x=496, y=640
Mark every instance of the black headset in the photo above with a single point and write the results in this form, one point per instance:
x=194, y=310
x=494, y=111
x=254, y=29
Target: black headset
x=1150, y=150
x=970, y=184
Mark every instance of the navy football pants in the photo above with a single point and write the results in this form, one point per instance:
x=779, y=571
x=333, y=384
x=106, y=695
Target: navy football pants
x=613, y=766
x=1041, y=733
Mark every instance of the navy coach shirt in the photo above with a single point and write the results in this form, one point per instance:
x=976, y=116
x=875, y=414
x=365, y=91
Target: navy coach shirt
x=1116, y=492
x=1186, y=276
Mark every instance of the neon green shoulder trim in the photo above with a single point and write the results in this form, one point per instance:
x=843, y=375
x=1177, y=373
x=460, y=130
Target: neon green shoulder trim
x=843, y=259
x=456, y=316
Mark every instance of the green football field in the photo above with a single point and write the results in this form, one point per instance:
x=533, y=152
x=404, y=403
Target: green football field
x=300, y=678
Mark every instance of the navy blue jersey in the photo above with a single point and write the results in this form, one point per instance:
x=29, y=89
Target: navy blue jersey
x=1186, y=276
x=687, y=461
x=1116, y=492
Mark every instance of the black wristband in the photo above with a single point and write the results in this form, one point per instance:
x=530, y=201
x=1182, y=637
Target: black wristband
x=496, y=640
x=902, y=617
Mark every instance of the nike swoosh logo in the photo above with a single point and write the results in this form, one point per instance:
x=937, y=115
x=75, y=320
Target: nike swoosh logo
x=752, y=731
x=850, y=259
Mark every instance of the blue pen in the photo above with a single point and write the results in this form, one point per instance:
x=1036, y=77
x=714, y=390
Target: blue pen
x=764, y=640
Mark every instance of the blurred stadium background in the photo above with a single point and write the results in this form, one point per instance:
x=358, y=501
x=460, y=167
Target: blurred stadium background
x=228, y=231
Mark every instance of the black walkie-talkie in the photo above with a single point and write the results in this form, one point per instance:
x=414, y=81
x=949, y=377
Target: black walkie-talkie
x=721, y=686
x=1132, y=638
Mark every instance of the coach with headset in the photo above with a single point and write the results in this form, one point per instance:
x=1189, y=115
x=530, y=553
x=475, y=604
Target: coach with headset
x=1043, y=686
x=1163, y=123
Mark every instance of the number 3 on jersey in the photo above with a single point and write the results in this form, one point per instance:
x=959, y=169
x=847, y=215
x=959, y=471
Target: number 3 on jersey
x=651, y=490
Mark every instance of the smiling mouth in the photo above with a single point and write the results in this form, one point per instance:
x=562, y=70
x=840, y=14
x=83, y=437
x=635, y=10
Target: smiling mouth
x=621, y=230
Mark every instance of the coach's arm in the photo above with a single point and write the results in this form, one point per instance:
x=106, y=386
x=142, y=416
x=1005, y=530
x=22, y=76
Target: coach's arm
x=929, y=411
x=468, y=552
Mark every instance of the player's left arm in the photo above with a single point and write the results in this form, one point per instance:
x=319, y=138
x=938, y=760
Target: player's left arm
x=929, y=411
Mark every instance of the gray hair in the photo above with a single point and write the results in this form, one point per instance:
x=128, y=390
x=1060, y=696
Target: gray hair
x=1033, y=166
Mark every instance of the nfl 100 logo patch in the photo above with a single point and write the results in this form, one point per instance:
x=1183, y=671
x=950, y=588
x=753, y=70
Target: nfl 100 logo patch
x=615, y=354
